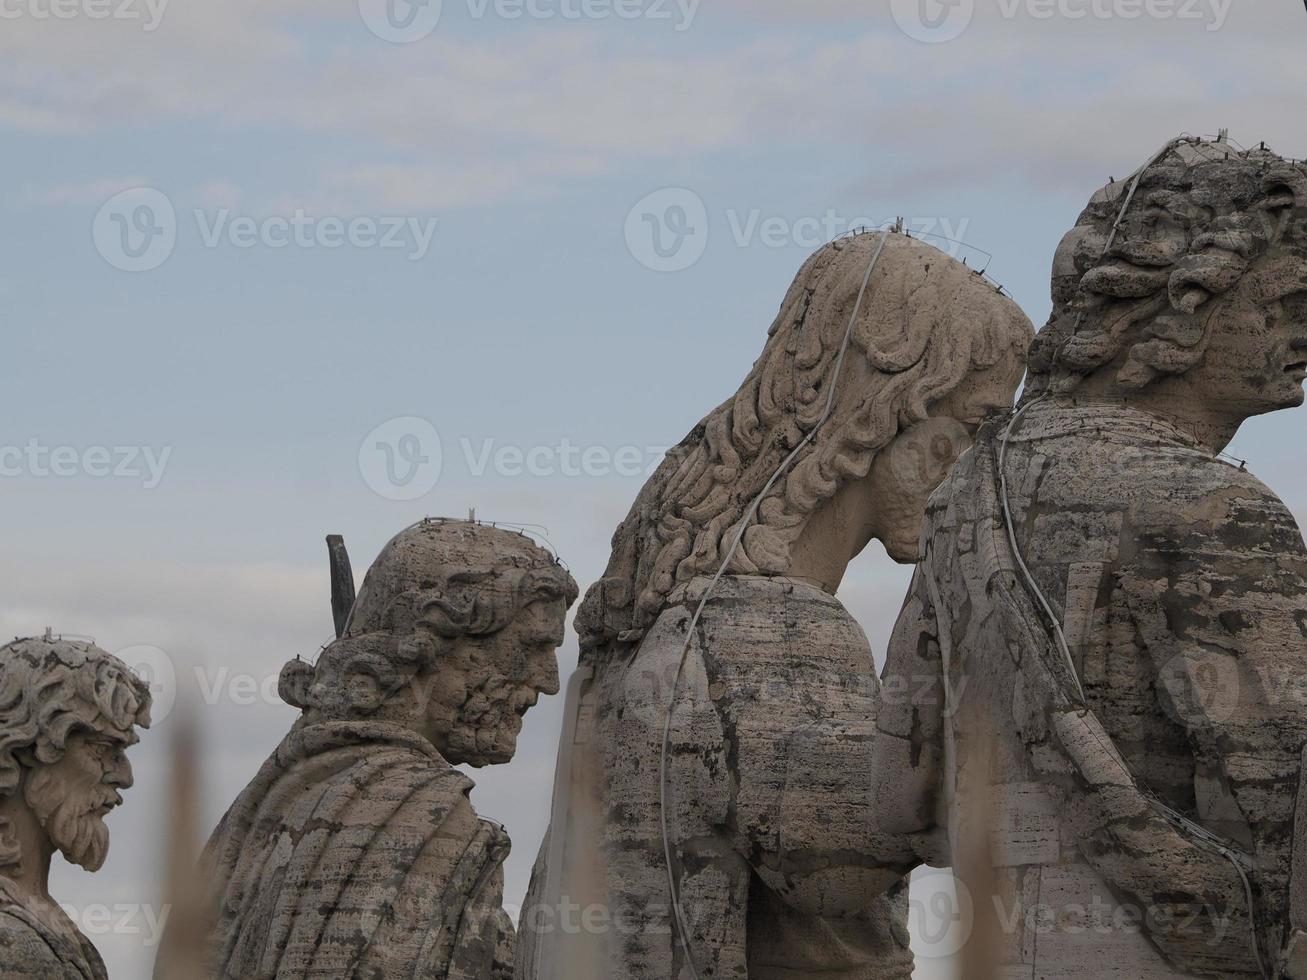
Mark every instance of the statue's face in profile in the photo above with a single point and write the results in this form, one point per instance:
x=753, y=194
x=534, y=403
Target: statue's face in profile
x=71, y=798
x=505, y=675
x=1256, y=360
x=916, y=463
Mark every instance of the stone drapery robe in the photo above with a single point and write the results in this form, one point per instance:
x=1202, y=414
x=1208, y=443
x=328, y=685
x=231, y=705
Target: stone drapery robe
x=31, y=950
x=356, y=853
x=1181, y=583
x=781, y=874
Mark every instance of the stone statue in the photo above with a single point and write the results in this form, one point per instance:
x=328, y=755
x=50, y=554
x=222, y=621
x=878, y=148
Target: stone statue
x=68, y=713
x=759, y=806
x=1114, y=617
x=355, y=852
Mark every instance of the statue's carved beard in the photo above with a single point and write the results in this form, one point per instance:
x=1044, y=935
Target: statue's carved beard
x=68, y=815
x=485, y=731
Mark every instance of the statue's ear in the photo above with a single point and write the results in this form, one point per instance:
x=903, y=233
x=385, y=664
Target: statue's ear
x=365, y=693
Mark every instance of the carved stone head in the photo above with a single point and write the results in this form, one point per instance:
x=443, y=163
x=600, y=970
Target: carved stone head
x=68, y=714
x=1203, y=280
x=934, y=344
x=452, y=635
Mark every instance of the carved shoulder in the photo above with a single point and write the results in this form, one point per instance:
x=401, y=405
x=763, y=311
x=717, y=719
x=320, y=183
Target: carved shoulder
x=24, y=952
x=1222, y=565
x=1213, y=506
x=1090, y=498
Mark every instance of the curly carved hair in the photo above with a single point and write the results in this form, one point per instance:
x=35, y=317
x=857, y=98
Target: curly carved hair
x=927, y=324
x=434, y=584
x=1202, y=213
x=51, y=689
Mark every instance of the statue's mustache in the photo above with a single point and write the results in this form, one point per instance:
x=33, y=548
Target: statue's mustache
x=74, y=818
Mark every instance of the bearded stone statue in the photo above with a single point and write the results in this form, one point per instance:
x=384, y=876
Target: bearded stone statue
x=1114, y=617
x=355, y=852
x=712, y=799
x=68, y=713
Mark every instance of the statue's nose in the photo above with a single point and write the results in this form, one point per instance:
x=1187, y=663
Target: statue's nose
x=121, y=774
x=544, y=672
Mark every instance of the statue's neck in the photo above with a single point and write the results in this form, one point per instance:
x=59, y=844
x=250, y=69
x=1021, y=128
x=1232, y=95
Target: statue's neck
x=831, y=537
x=21, y=829
x=1199, y=418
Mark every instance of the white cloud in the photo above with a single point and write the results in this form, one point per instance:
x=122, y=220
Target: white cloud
x=467, y=119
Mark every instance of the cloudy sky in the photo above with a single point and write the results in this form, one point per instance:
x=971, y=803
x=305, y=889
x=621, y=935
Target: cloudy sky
x=272, y=269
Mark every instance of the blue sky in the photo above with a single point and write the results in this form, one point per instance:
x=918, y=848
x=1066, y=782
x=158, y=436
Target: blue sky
x=531, y=316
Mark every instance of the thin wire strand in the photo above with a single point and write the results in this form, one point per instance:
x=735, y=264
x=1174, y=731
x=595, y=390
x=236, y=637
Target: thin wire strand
x=1138, y=178
x=535, y=532
x=677, y=908
x=538, y=532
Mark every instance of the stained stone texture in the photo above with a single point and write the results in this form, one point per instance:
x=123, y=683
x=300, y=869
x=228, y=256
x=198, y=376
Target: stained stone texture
x=1178, y=580
x=68, y=713
x=770, y=765
x=355, y=852
x=764, y=805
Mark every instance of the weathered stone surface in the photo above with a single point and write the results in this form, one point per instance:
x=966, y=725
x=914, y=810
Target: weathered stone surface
x=355, y=852
x=779, y=867
x=68, y=713
x=1179, y=580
